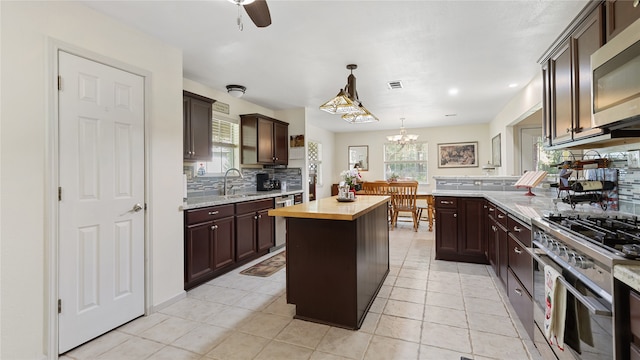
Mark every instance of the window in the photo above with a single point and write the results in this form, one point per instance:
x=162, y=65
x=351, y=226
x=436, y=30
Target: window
x=548, y=160
x=225, y=139
x=408, y=161
x=315, y=161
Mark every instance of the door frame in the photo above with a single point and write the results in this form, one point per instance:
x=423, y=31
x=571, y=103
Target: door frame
x=51, y=235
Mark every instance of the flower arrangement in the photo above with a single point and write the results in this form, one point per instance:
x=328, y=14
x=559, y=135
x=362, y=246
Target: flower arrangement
x=393, y=177
x=351, y=177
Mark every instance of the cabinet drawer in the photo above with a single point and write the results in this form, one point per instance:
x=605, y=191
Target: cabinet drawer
x=446, y=202
x=521, y=302
x=501, y=217
x=519, y=230
x=208, y=213
x=521, y=263
x=253, y=206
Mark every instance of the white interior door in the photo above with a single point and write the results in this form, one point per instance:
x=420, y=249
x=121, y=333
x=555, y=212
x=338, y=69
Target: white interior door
x=101, y=216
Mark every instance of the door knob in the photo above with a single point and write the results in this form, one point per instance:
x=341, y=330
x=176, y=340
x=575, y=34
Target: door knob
x=136, y=207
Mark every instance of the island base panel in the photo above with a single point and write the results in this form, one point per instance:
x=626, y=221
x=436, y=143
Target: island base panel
x=336, y=268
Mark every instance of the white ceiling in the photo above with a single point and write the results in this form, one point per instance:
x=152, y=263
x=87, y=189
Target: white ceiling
x=478, y=47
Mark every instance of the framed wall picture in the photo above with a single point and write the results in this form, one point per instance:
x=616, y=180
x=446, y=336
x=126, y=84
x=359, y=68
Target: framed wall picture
x=496, y=154
x=359, y=156
x=458, y=155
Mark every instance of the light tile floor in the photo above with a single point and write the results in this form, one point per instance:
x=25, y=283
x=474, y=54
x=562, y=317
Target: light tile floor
x=426, y=309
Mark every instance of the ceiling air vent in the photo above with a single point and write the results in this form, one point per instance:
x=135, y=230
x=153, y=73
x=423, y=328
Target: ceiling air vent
x=393, y=85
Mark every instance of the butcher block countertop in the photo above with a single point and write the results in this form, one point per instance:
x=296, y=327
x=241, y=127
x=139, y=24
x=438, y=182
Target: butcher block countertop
x=331, y=209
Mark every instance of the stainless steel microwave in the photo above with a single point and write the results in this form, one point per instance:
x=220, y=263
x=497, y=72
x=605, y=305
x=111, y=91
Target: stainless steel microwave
x=615, y=70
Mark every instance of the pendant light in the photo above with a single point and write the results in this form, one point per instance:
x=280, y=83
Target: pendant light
x=403, y=138
x=348, y=104
x=360, y=117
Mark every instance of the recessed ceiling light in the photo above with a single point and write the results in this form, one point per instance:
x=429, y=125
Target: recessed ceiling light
x=450, y=114
x=512, y=85
x=453, y=91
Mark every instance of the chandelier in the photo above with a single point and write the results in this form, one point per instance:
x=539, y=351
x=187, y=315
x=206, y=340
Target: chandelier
x=347, y=103
x=403, y=138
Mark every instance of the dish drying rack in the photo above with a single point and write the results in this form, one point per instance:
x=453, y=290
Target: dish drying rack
x=585, y=180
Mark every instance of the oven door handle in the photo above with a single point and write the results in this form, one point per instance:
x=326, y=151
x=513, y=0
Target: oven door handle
x=593, y=305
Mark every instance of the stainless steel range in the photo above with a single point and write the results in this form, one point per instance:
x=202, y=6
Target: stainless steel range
x=584, y=249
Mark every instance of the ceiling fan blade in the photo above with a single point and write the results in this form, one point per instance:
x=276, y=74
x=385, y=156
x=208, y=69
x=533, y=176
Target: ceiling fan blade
x=258, y=11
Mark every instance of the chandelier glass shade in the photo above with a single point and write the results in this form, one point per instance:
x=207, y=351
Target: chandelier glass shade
x=363, y=115
x=347, y=104
x=402, y=138
x=341, y=104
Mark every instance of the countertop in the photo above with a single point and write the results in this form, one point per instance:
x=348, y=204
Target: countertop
x=204, y=201
x=528, y=207
x=628, y=274
x=331, y=209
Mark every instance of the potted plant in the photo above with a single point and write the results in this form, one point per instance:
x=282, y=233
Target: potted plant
x=393, y=177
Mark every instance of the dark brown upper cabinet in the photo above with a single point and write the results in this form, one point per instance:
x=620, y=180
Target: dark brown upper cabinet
x=620, y=14
x=567, y=82
x=197, y=114
x=264, y=140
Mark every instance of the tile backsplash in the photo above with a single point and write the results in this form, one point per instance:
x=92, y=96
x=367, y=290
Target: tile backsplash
x=628, y=183
x=212, y=185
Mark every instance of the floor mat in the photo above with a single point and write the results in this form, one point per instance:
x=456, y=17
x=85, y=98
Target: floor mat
x=267, y=267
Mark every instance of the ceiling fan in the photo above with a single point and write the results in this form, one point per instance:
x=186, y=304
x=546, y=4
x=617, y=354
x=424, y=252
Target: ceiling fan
x=257, y=10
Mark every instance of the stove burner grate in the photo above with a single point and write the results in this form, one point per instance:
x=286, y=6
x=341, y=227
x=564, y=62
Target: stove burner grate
x=615, y=234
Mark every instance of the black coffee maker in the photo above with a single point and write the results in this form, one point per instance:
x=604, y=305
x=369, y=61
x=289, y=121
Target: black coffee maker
x=263, y=183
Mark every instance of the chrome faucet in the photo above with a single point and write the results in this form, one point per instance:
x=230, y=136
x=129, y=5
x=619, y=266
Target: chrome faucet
x=224, y=186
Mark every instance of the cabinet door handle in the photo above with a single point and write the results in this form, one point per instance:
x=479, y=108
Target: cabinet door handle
x=214, y=227
x=213, y=212
x=518, y=291
x=446, y=202
x=484, y=206
x=494, y=228
x=491, y=209
x=516, y=228
x=517, y=251
x=259, y=216
x=500, y=216
x=455, y=215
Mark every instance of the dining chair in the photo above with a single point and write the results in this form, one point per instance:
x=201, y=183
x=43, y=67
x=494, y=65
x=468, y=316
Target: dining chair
x=403, y=199
x=380, y=187
x=431, y=210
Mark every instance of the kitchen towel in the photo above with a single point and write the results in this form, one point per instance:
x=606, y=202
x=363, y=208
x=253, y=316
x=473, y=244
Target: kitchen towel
x=555, y=298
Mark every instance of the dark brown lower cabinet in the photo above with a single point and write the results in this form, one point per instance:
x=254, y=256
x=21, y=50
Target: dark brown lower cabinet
x=460, y=229
x=209, y=243
x=522, y=302
x=218, y=239
x=254, y=228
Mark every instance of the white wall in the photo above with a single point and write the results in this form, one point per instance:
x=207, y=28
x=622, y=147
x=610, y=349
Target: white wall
x=433, y=135
x=27, y=29
x=327, y=139
x=526, y=102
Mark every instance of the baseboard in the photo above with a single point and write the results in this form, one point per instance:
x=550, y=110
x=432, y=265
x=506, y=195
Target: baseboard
x=169, y=302
x=276, y=248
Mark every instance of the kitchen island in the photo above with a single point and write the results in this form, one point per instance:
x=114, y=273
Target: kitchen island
x=337, y=258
